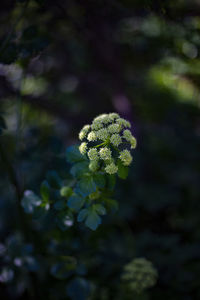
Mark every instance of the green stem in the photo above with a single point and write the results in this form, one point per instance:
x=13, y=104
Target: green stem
x=102, y=144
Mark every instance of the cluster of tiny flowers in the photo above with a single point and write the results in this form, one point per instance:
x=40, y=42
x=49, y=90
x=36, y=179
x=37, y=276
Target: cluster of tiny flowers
x=83, y=148
x=102, y=140
x=140, y=274
x=126, y=157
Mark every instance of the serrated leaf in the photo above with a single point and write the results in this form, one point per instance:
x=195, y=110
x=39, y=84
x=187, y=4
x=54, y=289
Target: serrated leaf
x=75, y=202
x=82, y=214
x=93, y=220
x=73, y=155
x=86, y=186
x=79, y=169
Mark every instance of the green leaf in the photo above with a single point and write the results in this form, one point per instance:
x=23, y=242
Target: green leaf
x=82, y=214
x=30, y=201
x=66, y=191
x=86, y=186
x=111, y=181
x=99, y=179
x=45, y=190
x=73, y=155
x=122, y=170
x=79, y=169
x=100, y=209
x=75, y=202
x=93, y=220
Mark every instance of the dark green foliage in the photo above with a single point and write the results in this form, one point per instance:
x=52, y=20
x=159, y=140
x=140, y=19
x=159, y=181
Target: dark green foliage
x=63, y=63
x=122, y=170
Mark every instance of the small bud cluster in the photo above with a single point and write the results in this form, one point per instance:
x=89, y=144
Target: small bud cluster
x=107, y=135
x=140, y=274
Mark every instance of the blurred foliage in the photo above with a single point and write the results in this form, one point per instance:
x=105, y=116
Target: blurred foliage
x=61, y=64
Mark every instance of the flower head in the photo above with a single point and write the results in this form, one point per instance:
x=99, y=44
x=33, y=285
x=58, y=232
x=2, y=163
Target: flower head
x=126, y=157
x=139, y=274
x=113, y=116
x=105, y=153
x=111, y=169
x=93, y=154
x=115, y=139
x=102, y=134
x=83, y=148
x=83, y=132
x=114, y=128
x=123, y=123
x=92, y=136
x=104, y=140
x=133, y=142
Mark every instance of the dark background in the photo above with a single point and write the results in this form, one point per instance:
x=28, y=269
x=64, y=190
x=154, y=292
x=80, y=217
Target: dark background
x=63, y=63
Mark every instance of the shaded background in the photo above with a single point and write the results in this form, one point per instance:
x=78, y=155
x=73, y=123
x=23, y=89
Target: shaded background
x=63, y=63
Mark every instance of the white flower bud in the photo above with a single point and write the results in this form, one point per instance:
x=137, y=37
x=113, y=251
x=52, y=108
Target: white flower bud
x=105, y=153
x=102, y=134
x=83, y=148
x=111, y=169
x=93, y=154
x=116, y=139
x=126, y=157
x=92, y=136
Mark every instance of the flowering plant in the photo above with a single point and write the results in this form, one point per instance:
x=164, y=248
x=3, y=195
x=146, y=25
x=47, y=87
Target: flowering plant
x=87, y=196
x=107, y=140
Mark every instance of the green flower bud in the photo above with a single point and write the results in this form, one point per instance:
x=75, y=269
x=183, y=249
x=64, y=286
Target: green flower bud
x=92, y=136
x=133, y=142
x=139, y=275
x=93, y=166
x=66, y=191
x=102, y=134
x=83, y=148
x=126, y=157
x=111, y=169
x=113, y=116
x=105, y=153
x=84, y=132
x=116, y=139
x=114, y=128
x=124, y=123
x=93, y=154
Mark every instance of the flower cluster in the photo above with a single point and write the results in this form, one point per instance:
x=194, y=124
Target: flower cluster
x=107, y=141
x=139, y=274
